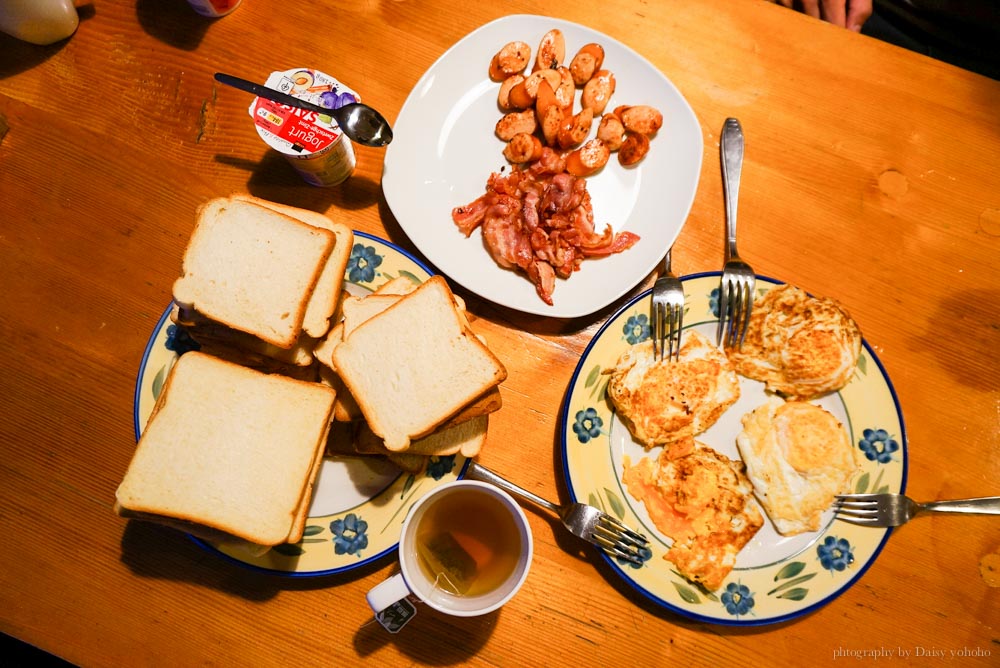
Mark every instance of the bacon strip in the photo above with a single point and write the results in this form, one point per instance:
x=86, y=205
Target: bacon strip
x=540, y=221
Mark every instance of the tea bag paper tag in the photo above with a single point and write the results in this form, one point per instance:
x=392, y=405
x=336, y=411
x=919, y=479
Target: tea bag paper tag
x=392, y=605
x=396, y=616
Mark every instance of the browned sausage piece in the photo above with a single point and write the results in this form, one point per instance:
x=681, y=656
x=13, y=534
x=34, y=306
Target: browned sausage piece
x=523, y=147
x=515, y=122
x=551, y=50
x=633, y=149
x=587, y=159
x=588, y=60
x=611, y=131
x=598, y=91
x=642, y=118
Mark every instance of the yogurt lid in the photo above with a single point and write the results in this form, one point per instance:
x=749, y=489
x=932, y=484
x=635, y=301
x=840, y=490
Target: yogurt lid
x=295, y=131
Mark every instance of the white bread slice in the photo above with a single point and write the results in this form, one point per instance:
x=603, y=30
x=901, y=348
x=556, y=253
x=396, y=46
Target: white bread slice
x=356, y=309
x=323, y=303
x=323, y=350
x=490, y=402
x=415, y=364
x=231, y=449
x=252, y=269
x=345, y=408
x=220, y=538
x=466, y=438
x=414, y=464
x=401, y=285
x=305, y=501
x=359, y=309
x=340, y=440
x=262, y=363
x=204, y=330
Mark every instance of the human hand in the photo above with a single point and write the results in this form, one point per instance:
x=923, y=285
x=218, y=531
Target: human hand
x=850, y=14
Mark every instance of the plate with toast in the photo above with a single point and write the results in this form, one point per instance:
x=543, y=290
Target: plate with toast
x=286, y=418
x=446, y=147
x=712, y=500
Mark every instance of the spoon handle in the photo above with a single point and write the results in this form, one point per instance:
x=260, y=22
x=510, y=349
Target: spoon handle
x=270, y=93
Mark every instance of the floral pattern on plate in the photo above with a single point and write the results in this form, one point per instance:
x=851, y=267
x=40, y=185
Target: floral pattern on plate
x=353, y=529
x=776, y=578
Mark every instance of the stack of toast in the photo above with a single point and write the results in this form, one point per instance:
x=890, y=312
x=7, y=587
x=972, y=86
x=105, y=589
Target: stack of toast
x=261, y=282
x=291, y=368
x=412, y=377
x=229, y=454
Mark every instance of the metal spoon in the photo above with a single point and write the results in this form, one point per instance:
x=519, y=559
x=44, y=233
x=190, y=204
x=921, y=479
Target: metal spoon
x=360, y=122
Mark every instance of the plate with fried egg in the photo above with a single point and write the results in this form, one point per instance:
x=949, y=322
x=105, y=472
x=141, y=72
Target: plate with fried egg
x=731, y=476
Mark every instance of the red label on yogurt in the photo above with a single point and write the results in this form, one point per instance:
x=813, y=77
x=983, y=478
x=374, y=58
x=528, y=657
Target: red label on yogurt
x=302, y=129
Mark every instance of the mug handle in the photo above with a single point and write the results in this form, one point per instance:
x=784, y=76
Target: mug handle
x=390, y=602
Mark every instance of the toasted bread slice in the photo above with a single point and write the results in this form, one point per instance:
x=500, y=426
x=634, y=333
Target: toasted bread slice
x=253, y=269
x=230, y=448
x=416, y=364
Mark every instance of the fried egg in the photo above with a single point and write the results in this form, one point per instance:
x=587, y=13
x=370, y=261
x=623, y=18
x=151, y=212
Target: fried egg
x=798, y=457
x=668, y=403
x=800, y=346
x=704, y=502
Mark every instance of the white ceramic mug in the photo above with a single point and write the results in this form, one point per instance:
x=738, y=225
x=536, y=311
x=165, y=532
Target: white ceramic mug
x=38, y=21
x=390, y=600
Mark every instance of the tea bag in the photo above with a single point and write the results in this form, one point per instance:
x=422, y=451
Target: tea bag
x=452, y=566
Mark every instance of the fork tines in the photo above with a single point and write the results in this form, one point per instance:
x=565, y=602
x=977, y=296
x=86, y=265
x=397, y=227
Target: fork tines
x=618, y=540
x=735, y=306
x=668, y=321
x=667, y=313
x=856, y=508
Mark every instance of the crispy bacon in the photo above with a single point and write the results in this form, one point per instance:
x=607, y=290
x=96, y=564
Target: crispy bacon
x=539, y=220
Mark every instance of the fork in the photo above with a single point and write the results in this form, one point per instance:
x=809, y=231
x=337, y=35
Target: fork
x=582, y=520
x=738, y=280
x=892, y=510
x=667, y=313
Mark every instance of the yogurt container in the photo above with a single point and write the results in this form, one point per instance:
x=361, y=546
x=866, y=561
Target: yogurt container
x=214, y=8
x=312, y=143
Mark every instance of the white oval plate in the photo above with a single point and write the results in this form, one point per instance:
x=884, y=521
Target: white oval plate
x=444, y=149
x=776, y=578
x=359, y=503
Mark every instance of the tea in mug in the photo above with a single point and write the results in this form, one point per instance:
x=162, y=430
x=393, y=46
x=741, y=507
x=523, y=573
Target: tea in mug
x=468, y=543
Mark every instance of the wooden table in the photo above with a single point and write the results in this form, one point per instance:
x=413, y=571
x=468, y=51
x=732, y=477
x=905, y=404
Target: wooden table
x=870, y=177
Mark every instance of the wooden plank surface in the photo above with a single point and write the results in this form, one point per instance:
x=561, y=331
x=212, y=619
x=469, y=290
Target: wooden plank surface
x=870, y=177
